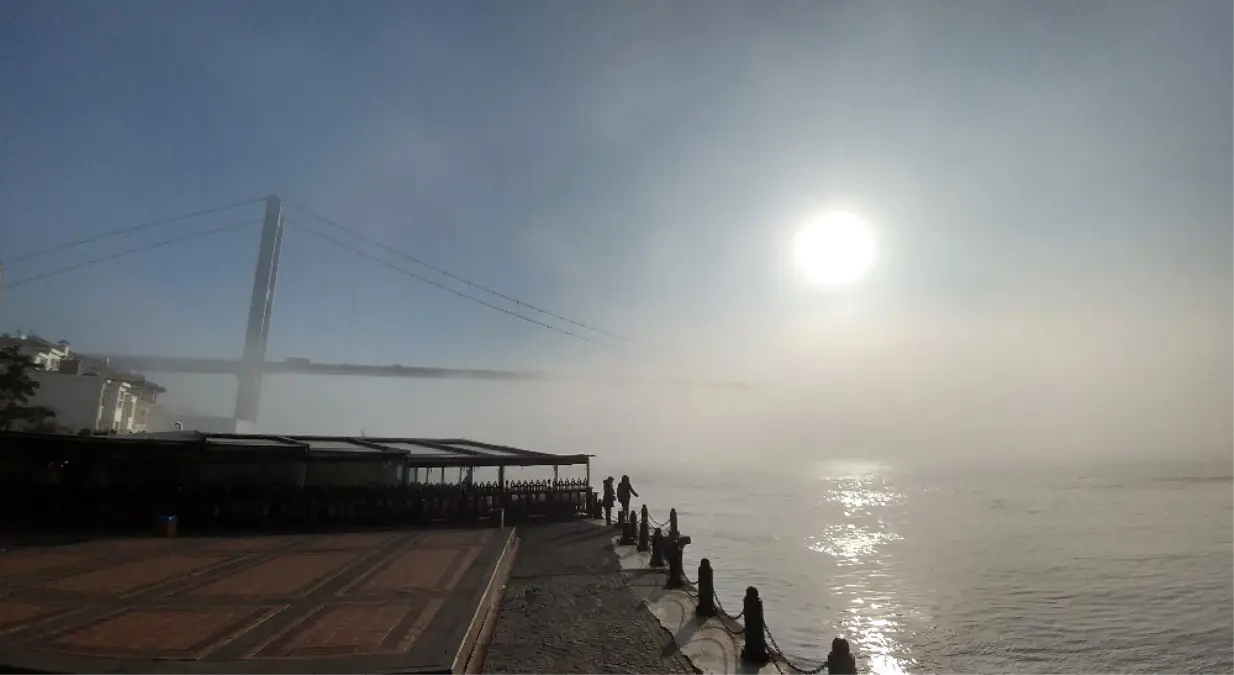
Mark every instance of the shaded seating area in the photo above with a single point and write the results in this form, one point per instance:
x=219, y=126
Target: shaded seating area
x=226, y=482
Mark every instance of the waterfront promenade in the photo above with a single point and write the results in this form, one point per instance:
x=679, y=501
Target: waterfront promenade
x=567, y=608
x=554, y=597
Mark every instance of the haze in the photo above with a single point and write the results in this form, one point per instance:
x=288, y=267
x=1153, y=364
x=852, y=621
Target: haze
x=1050, y=183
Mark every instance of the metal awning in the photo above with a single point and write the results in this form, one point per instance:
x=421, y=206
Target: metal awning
x=417, y=452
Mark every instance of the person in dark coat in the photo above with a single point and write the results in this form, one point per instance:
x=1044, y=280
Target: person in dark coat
x=840, y=659
x=624, y=490
x=610, y=498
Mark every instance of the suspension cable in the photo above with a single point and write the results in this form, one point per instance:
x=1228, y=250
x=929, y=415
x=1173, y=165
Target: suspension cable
x=126, y=230
x=131, y=251
x=460, y=279
x=453, y=291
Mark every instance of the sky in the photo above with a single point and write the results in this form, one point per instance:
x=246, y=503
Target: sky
x=1049, y=182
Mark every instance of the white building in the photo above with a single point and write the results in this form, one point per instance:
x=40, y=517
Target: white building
x=46, y=354
x=85, y=393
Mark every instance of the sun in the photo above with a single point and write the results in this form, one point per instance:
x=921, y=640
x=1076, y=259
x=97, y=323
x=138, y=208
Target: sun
x=835, y=248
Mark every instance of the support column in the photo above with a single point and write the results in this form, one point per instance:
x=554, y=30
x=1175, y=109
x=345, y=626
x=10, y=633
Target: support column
x=248, y=394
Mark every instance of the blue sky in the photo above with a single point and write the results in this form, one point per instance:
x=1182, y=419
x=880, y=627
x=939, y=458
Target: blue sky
x=1054, y=169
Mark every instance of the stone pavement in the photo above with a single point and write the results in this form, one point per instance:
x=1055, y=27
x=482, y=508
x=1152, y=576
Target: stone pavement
x=714, y=644
x=359, y=602
x=567, y=609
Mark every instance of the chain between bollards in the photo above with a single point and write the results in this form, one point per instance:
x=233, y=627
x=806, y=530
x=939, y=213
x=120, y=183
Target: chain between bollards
x=792, y=666
x=670, y=548
x=655, y=523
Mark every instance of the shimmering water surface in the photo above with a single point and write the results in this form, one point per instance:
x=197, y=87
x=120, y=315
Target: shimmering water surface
x=1123, y=568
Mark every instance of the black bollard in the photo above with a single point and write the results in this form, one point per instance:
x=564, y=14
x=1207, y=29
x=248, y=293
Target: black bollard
x=672, y=524
x=643, y=529
x=674, y=579
x=621, y=518
x=676, y=572
x=627, y=531
x=755, y=649
x=657, y=549
x=706, y=590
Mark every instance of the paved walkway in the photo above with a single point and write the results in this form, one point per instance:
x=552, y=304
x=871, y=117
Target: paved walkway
x=567, y=609
x=362, y=603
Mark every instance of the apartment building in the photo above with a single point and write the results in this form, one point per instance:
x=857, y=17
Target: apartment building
x=86, y=393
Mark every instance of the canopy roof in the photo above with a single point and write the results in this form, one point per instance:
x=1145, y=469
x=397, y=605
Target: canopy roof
x=426, y=452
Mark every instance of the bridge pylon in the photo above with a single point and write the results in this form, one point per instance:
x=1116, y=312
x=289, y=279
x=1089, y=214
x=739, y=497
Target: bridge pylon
x=257, y=335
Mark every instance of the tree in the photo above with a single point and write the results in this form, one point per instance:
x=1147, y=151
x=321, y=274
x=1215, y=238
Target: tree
x=17, y=385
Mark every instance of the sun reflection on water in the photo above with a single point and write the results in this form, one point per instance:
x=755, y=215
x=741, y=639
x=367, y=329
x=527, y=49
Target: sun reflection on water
x=850, y=544
x=858, y=544
x=874, y=638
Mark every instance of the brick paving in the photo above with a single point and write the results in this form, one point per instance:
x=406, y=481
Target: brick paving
x=287, y=575
x=567, y=609
x=130, y=576
x=429, y=566
x=10, y=565
x=183, y=634
x=17, y=613
x=364, y=602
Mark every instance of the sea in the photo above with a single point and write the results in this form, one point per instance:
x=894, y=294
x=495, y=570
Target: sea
x=1114, y=567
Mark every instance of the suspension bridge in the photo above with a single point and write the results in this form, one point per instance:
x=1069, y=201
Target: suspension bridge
x=252, y=366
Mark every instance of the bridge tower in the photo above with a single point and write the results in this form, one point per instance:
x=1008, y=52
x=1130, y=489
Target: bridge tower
x=257, y=335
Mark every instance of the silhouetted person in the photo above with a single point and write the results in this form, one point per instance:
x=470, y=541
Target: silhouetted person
x=841, y=660
x=610, y=498
x=624, y=490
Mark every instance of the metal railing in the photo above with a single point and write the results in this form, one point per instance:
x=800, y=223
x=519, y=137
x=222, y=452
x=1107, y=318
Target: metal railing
x=215, y=508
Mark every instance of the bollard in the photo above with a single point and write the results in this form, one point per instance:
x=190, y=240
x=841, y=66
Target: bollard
x=627, y=532
x=657, y=549
x=643, y=529
x=755, y=649
x=676, y=575
x=706, y=590
x=621, y=518
x=672, y=524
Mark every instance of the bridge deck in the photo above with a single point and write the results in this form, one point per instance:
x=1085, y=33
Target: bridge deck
x=345, y=603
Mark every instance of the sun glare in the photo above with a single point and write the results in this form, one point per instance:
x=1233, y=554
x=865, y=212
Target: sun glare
x=835, y=248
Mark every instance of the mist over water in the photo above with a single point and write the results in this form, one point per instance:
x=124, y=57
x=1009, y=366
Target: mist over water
x=1117, y=567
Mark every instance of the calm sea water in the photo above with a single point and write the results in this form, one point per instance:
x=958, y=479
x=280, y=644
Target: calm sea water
x=1122, y=569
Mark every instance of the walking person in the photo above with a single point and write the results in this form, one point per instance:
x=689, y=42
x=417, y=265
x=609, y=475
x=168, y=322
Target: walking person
x=624, y=490
x=609, y=499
